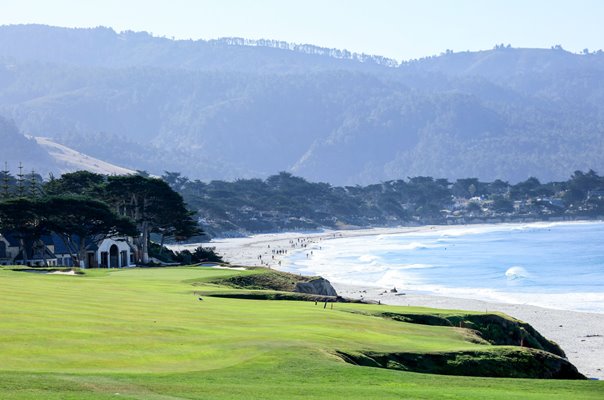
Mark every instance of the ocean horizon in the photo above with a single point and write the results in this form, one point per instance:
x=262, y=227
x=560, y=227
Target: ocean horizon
x=555, y=265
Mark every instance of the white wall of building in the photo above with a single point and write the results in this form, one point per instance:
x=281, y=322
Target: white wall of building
x=123, y=253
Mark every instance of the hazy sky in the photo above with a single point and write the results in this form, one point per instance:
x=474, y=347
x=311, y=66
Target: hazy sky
x=399, y=29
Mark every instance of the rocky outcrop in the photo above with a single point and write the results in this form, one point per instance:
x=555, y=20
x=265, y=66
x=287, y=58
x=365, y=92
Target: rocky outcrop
x=319, y=286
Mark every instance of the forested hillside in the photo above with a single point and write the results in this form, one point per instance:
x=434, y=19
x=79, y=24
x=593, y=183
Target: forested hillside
x=285, y=202
x=232, y=108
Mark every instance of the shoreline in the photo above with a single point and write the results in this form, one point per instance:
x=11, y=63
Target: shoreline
x=249, y=247
x=580, y=334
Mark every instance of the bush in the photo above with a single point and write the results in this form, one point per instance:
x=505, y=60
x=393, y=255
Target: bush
x=198, y=255
x=185, y=257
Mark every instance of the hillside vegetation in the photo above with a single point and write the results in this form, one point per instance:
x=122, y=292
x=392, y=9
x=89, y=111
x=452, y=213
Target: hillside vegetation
x=144, y=333
x=285, y=202
x=234, y=108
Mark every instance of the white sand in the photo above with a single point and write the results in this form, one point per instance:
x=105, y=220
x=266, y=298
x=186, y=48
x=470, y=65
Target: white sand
x=581, y=335
x=70, y=160
x=245, y=251
x=72, y=272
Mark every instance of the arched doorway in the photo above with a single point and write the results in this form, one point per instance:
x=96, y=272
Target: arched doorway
x=114, y=259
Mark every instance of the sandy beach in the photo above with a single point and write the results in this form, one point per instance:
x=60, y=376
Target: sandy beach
x=581, y=335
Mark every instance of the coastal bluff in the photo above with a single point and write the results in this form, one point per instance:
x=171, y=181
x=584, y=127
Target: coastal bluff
x=319, y=286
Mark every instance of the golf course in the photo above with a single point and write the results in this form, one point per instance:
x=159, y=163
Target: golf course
x=179, y=333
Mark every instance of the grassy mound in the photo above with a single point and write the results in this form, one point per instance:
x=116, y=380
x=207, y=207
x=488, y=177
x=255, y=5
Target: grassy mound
x=264, y=279
x=265, y=284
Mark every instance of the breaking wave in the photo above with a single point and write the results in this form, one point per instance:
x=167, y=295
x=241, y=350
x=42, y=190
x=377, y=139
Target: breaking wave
x=516, y=272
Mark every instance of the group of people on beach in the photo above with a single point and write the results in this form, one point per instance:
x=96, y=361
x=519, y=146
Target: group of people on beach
x=272, y=256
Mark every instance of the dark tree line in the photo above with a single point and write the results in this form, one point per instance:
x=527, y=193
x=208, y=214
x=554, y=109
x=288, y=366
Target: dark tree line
x=286, y=202
x=81, y=207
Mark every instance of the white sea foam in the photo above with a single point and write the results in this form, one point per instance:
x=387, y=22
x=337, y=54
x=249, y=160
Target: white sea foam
x=516, y=272
x=415, y=266
x=557, y=265
x=367, y=258
x=586, y=302
x=417, y=246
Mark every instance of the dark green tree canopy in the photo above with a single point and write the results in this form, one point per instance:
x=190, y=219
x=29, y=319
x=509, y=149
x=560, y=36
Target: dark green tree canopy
x=25, y=217
x=82, y=216
x=153, y=206
x=79, y=182
x=151, y=201
x=74, y=218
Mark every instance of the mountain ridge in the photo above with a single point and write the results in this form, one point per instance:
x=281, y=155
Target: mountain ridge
x=233, y=111
x=157, y=51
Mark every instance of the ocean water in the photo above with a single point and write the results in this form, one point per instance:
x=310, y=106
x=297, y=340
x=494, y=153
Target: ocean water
x=555, y=265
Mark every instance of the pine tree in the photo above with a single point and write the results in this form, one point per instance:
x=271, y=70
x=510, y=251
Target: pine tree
x=6, y=182
x=33, y=185
x=20, y=182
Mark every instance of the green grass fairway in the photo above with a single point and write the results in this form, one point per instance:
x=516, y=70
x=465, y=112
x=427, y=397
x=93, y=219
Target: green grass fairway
x=143, y=334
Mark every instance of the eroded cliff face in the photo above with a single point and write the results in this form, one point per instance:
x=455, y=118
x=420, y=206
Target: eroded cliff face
x=319, y=286
x=495, y=329
x=495, y=362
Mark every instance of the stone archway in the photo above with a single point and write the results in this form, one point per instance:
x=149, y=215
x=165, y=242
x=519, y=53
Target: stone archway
x=114, y=256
